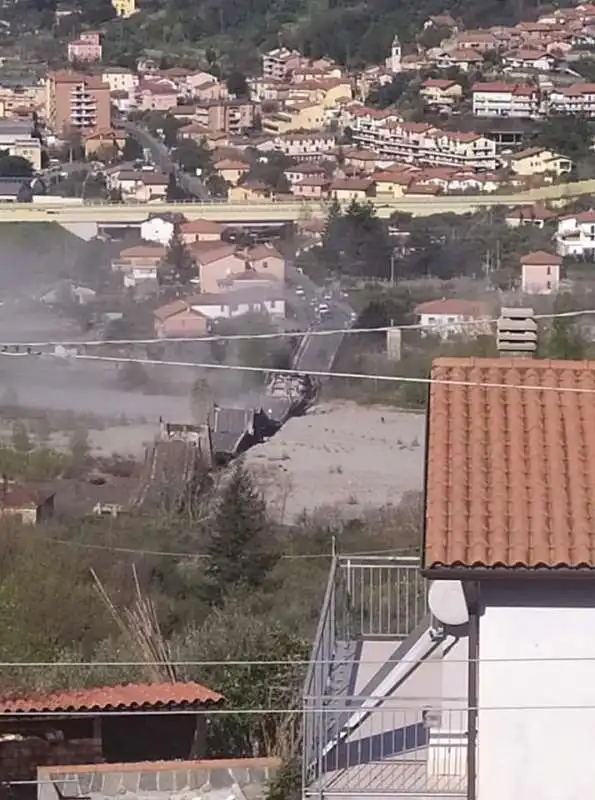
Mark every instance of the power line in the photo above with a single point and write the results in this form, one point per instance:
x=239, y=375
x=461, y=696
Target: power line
x=174, y=554
x=458, y=708
x=285, y=334
x=294, y=662
x=397, y=379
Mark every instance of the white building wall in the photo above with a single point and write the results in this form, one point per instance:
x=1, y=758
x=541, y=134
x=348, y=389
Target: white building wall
x=537, y=716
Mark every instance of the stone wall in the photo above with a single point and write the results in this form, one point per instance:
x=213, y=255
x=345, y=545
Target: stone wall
x=233, y=779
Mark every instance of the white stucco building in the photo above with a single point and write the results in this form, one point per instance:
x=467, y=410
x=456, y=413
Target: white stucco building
x=576, y=235
x=482, y=688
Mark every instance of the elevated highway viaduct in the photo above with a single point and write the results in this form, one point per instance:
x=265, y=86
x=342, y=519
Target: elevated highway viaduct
x=86, y=219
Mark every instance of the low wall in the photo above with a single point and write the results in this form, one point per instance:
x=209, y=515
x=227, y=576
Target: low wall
x=233, y=779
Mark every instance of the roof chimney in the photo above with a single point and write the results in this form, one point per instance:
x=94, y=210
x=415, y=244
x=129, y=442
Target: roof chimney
x=517, y=332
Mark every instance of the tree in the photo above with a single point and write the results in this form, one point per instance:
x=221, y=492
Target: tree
x=173, y=191
x=192, y=157
x=238, y=85
x=568, y=134
x=20, y=438
x=132, y=150
x=239, y=544
x=132, y=376
x=355, y=242
x=79, y=447
x=178, y=266
x=14, y=166
x=565, y=340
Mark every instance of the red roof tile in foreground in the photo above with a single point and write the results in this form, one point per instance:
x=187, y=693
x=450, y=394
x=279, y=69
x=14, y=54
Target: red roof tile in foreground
x=128, y=697
x=510, y=471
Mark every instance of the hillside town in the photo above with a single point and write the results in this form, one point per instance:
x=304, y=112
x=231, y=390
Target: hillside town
x=319, y=118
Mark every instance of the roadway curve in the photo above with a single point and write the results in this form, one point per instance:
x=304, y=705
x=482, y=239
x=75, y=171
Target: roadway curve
x=162, y=158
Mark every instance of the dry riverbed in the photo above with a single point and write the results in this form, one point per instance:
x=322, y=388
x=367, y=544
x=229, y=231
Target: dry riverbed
x=344, y=456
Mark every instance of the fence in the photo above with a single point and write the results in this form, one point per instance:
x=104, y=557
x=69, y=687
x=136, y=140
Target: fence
x=394, y=751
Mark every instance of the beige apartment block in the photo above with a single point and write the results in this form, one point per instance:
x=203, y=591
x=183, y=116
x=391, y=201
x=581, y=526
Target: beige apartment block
x=76, y=102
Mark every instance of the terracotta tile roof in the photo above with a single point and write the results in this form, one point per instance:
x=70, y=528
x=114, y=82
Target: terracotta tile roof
x=510, y=472
x=145, y=250
x=201, y=226
x=540, y=258
x=130, y=696
x=170, y=310
x=531, y=212
x=20, y=496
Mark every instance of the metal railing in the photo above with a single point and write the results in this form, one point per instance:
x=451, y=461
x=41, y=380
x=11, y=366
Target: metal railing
x=396, y=751
x=366, y=597
x=387, y=596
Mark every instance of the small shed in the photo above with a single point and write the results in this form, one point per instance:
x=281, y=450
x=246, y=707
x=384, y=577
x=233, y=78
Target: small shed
x=110, y=724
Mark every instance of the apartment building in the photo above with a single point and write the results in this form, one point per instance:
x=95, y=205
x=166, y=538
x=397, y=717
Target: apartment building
x=576, y=235
x=86, y=48
x=499, y=99
x=21, y=100
x=280, y=62
x=440, y=93
x=16, y=138
x=576, y=99
x=420, y=142
x=227, y=116
x=156, y=96
x=301, y=146
x=120, y=79
x=76, y=102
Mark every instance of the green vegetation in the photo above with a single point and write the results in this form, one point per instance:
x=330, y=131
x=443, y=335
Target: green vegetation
x=224, y=35
x=240, y=594
x=178, y=267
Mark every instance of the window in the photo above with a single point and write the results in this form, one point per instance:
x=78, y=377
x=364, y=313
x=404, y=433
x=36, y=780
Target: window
x=549, y=271
x=549, y=285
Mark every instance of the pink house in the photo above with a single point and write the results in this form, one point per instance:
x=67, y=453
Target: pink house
x=157, y=96
x=540, y=273
x=86, y=48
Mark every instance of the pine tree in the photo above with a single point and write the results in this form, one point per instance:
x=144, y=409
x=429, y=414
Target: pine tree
x=238, y=547
x=178, y=267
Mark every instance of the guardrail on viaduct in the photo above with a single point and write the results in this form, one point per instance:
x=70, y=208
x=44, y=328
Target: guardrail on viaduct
x=281, y=210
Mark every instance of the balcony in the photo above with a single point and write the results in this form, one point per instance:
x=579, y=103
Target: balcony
x=374, y=720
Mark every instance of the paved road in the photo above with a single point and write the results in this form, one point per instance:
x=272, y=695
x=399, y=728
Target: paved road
x=237, y=213
x=162, y=157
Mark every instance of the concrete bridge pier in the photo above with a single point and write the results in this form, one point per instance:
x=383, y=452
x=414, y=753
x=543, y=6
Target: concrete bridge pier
x=84, y=230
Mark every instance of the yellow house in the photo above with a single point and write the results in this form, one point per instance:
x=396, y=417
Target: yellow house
x=539, y=160
x=337, y=92
x=231, y=171
x=300, y=116
x=327, y=92
x=345, y=190
x=124, y=8
x=250, y=192
x=441, y=92
x=392, y=184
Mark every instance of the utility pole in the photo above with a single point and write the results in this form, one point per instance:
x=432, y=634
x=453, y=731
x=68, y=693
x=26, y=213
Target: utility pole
x=392, y=268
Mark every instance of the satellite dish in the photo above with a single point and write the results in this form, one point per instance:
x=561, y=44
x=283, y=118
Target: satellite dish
x=447, y=602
